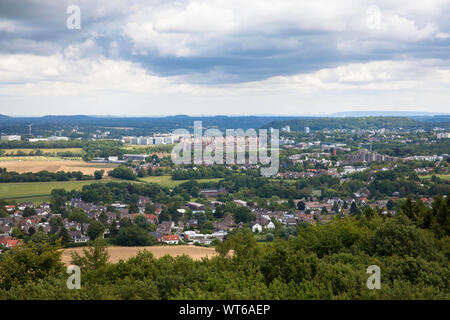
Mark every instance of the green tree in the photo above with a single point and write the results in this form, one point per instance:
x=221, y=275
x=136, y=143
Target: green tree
x=93, y=258
x=27, y=263
x=98, y=174
x=243, y=214
x=301, y=205
x=133, y=236
x=28, y=212
x=354, y=210
x=95, y=230
x=79, y=216
x=63, y=234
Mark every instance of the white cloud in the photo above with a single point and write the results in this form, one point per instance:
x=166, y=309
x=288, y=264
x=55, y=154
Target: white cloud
x=305, y=55
x=96, y=86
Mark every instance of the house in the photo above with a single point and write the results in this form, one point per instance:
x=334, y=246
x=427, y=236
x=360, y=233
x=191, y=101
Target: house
x=45, y=205
x=212, y=192
x=170, y=239
x=204, y=238
x=257, y=227
x=165, y=227
x=196, y=206
x=10, y=208
x=240, y=203
x=308, y=218
x=151, y=218
x=227, y=223
x=24, y=205
x=291, y=221
x=78, y=237
x=156, y=235
x=192, y=223
x=4, y=230
x=270, y=225
x=9, y=242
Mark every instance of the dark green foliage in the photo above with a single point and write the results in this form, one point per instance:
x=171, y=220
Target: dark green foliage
x=95, y=230
x=133, y=236
x=123, y=172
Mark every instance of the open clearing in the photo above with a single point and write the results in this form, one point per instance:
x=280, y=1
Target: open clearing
x=117, y=253
x=166, y=181
x=55, y=165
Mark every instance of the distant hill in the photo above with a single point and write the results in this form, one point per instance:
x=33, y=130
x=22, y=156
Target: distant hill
x=350, y=123
x=386, y=114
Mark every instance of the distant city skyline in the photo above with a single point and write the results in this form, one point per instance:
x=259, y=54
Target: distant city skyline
x=210, y=57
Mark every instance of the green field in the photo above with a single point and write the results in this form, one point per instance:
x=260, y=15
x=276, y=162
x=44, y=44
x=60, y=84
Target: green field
x=442, y=176
x=166, y=181
x=38, y=192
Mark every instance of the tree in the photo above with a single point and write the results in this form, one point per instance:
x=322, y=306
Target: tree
x=354, y=210
x=123, y=172
x=113, y=230
x=95, y=230
x=133, y=236
x=390, y=204
x=28, y=212
x=95, y=257
x=149, y=208
x=369, y=213
x=242, y=242
x=55, y=224
x=63, y=234
x=98, y=174
x=141, y=221
x=39, y=237
x=79, y=216
x=335, y=207
x=125, y=222
x=27, y=263
x=3, y=212
x=78, y=175
x=103, y=218
x=291, y=202
x=301, y=205
x=133, y=208
x=243, y=214
x=58, y=200
x=408, y=240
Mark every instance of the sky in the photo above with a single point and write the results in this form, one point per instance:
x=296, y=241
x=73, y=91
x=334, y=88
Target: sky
x=228, y=57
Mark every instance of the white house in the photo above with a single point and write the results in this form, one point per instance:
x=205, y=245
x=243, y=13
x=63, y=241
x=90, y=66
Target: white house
x=270, y=225
x=257, y=227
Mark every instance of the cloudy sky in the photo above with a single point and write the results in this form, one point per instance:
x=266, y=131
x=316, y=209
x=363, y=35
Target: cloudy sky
x=235, y=57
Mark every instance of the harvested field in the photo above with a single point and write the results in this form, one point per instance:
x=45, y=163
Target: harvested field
x=48, y=150
x=124, y=253
x=56, y=165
